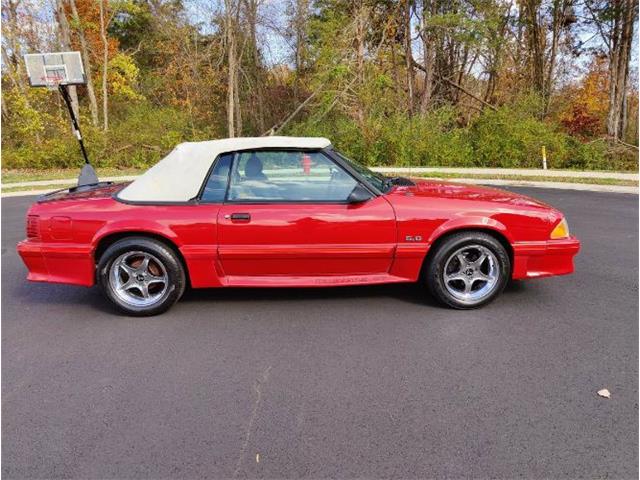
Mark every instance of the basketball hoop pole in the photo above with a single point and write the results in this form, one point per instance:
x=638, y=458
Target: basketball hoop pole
x=76, y=127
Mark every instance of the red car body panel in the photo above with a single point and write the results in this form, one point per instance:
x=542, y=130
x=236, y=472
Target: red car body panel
x=383, y=240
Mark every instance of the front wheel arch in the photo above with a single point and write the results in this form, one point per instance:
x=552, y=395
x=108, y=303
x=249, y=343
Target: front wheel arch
x=445, y=235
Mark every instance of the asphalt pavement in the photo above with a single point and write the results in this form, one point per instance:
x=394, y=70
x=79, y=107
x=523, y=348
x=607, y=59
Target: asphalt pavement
x=354, y=382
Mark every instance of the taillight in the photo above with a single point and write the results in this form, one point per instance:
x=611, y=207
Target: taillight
x=33, y=226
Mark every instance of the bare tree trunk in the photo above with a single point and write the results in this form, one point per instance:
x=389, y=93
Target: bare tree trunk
x=428, y=54
x=300, y=19
x=625, y=13
x=230, y=36
x=559, y=7
x=12, y=71
x=360, y=33
x=93, y=103
x=496, y=52
x=408, y=53
x=105, y=67
x=462, y=71
x=535, y=38
x=238, y=114
x=10, y=34
x=624, y=116
x=65, y=43
x=251, y=14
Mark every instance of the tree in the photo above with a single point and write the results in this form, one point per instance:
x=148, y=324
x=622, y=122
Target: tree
x=255, y=74
x=86, y=59
x=429, y=81
x=542, y=51
x=407, y=7
x=427, y=36
x=231, y=19
x=614, y=21
x=299, y=13
x=105, y=65
x=65, y=45
x=625, y=13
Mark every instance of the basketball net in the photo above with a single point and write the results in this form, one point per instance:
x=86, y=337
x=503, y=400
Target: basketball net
x=52, y=81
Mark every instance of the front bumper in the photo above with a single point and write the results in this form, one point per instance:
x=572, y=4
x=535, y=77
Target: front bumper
x=544, y=259
x=59, y=263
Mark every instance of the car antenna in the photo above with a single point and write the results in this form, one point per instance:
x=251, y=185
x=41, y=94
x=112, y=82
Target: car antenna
x=58, y=71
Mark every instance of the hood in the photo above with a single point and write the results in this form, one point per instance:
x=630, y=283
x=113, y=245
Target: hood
x=463, y=191
x=99, y=190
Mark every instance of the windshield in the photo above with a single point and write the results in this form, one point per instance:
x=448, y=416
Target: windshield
x=376, y=179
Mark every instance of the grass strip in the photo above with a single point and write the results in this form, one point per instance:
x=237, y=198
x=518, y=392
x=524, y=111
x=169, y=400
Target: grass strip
x=529, y=178
x=32, y=175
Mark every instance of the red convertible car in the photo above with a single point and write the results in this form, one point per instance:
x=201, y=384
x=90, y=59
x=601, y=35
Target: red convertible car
x=285, y=211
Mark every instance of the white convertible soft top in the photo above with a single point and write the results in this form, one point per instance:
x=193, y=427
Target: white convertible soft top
x=179, y=176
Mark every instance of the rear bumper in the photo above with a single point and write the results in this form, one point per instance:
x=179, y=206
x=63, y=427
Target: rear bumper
x=544, y=259
x=59, y=263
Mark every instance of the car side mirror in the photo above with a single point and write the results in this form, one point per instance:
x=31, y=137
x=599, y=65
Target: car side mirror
x=359, y=194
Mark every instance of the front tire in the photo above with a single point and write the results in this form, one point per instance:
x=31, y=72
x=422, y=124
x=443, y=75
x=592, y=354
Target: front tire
x=468, y=270
x=141, y=276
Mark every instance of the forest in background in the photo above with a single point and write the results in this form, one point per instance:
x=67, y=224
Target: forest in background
x=391, y=82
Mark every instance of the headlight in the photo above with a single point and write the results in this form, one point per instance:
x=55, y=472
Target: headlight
x=561, y=230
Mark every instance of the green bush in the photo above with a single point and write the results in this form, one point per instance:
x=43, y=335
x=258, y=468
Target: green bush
x=141, y=133
x=138, y=137
x=510, y=137
x=397, y=140
x=513, y=138
x=587, y=156
x=145, y=135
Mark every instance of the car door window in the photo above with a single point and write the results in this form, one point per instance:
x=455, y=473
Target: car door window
x=216, y=186
x=288, y=176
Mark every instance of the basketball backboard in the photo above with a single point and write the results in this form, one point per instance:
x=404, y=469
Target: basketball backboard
x=53, y=69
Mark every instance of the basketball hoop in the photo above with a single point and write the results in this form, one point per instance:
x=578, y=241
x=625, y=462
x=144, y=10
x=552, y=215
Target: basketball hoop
x=52, y=69
x=57, y=71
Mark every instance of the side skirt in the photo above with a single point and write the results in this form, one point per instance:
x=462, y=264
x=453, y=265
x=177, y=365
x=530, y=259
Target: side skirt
x=309, y=281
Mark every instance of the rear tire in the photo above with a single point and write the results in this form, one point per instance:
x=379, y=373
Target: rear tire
x=468, y=270
x=141, y=276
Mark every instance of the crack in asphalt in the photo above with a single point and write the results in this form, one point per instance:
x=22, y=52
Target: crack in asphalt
x=260, y=382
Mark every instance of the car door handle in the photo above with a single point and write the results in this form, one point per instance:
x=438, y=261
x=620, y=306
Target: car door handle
x=244, y=217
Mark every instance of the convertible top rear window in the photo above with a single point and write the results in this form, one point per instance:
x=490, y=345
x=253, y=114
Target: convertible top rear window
x=216, y=186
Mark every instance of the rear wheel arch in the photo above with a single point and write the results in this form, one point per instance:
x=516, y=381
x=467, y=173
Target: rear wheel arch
x=106, y=241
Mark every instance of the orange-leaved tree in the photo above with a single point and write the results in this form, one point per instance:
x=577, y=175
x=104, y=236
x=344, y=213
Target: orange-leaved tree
x=586, y=112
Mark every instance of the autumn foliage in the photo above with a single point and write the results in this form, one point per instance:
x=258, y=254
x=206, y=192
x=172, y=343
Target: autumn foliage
x=415, y=82
x=587, y=108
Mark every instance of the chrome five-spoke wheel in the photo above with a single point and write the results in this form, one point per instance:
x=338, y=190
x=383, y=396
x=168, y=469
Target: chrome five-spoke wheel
x=471, y=273
x=141, y=275
x=139, y=278
x=468, y=269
